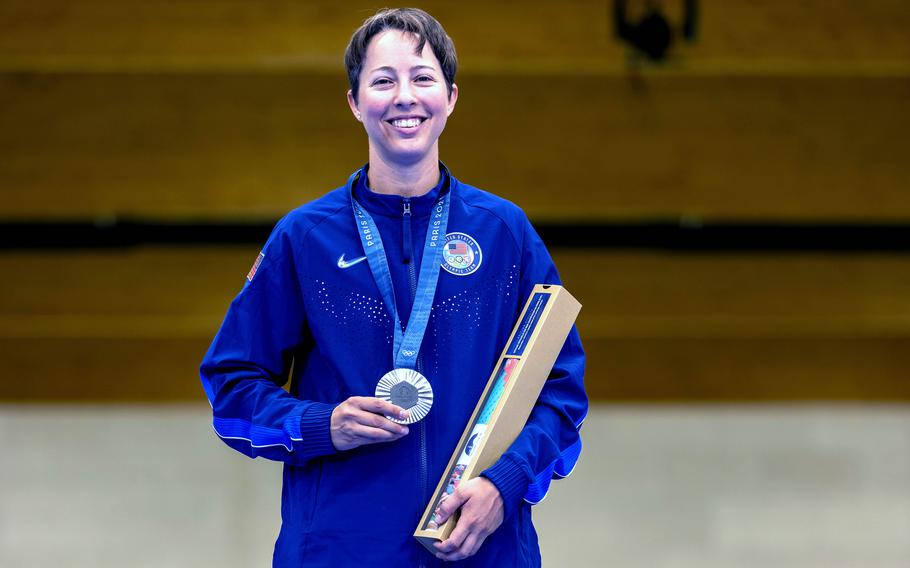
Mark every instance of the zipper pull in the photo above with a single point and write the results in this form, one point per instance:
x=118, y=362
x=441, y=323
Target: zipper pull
x=406, y=230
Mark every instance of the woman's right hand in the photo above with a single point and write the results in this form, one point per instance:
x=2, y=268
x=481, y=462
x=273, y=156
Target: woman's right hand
x=362, y=420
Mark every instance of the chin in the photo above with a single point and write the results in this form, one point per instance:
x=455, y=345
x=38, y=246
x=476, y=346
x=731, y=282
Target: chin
x=409, y=155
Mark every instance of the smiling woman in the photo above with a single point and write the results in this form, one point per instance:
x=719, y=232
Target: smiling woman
x=387, y=302
x=403, y=99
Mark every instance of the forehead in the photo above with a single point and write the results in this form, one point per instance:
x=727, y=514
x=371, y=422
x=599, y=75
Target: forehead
x=395, y=48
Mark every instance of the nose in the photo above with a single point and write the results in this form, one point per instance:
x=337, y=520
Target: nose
x=404, y=96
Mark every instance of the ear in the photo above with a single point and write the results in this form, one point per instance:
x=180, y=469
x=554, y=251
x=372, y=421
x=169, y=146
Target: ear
x=454, y=97
x=353, y=105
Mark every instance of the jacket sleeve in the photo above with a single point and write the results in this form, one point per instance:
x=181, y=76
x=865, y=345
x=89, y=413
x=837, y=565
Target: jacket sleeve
x=249, y=361
x=549, y=445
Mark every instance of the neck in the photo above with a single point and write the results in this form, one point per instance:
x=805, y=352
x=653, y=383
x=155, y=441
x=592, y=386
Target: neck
x=409, y=180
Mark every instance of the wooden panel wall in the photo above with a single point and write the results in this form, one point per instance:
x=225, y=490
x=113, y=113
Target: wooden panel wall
x=209, y=146
x=223, y=110
x=779, y=110
x=134, y=324
x=742, y=36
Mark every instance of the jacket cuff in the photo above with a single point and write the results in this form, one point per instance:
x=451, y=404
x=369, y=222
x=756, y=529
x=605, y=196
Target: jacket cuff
x=510, y=477
x=314, y=430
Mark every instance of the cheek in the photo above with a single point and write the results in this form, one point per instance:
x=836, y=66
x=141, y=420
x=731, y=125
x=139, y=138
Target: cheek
x=372, y=105
x=371, y=110
x=444, y=106
x=442, y=115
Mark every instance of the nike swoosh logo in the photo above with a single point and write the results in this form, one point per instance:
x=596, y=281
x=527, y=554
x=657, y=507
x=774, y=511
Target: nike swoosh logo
x=342, y=263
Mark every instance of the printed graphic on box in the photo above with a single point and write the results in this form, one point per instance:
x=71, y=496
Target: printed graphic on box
x=480, y=427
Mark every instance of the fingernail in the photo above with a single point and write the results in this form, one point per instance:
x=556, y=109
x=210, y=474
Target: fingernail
x=403, y=415
x=404, y=430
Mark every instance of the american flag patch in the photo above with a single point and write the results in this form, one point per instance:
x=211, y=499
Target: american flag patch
x=255, y=266
x=458, y=247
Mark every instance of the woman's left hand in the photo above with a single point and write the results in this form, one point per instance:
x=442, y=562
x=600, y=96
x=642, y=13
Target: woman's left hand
x=481, y=514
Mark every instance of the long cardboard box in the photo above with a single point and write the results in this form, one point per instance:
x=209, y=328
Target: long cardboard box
x=508, y=399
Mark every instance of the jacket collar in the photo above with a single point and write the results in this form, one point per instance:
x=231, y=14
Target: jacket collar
x=393, y=205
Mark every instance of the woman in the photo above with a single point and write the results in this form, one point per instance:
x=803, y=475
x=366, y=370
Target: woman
x=404, y=267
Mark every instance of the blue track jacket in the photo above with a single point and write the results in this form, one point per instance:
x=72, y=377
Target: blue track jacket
x=310, y=311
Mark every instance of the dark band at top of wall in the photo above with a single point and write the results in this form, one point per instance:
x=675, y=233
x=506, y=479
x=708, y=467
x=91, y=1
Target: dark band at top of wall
x=656, y=235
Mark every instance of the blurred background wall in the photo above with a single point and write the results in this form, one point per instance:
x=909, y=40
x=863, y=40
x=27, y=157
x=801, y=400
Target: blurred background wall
x=734, y=218
x=733, y=213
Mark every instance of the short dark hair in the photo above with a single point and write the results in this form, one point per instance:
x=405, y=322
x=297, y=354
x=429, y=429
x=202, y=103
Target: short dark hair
x=409, y=20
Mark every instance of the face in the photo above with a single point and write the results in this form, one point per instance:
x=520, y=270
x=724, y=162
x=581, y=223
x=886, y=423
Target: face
x=402, y=100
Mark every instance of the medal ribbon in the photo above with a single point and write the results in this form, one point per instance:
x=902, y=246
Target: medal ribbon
x=407, y=342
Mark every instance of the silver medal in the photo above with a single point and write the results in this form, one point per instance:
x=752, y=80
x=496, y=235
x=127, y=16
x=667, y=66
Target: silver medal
x=408, y=389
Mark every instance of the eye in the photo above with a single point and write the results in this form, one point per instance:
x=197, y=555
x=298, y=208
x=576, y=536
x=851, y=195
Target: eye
x=382, y=81
x=425, y=79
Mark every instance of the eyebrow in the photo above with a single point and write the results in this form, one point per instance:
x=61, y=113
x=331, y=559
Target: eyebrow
x=392, y=69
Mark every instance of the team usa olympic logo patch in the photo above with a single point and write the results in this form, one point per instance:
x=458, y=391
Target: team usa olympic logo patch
x=461, y=254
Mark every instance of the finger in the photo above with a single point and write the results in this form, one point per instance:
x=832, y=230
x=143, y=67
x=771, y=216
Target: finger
x=451, y=504
x=455, y=539
x=472, y=544
x=379, y=406
x=468, y=548
x=366, y=435
x=381, y=422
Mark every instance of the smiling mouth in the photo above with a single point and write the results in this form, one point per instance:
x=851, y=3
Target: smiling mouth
x=406, y=122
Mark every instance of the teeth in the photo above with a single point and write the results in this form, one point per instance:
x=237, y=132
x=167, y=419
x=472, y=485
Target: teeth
x=406, y=122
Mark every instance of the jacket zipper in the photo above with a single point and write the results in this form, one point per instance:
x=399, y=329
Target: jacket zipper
x=407, y=243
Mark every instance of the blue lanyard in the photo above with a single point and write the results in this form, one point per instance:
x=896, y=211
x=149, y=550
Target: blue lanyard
x=406, y=342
